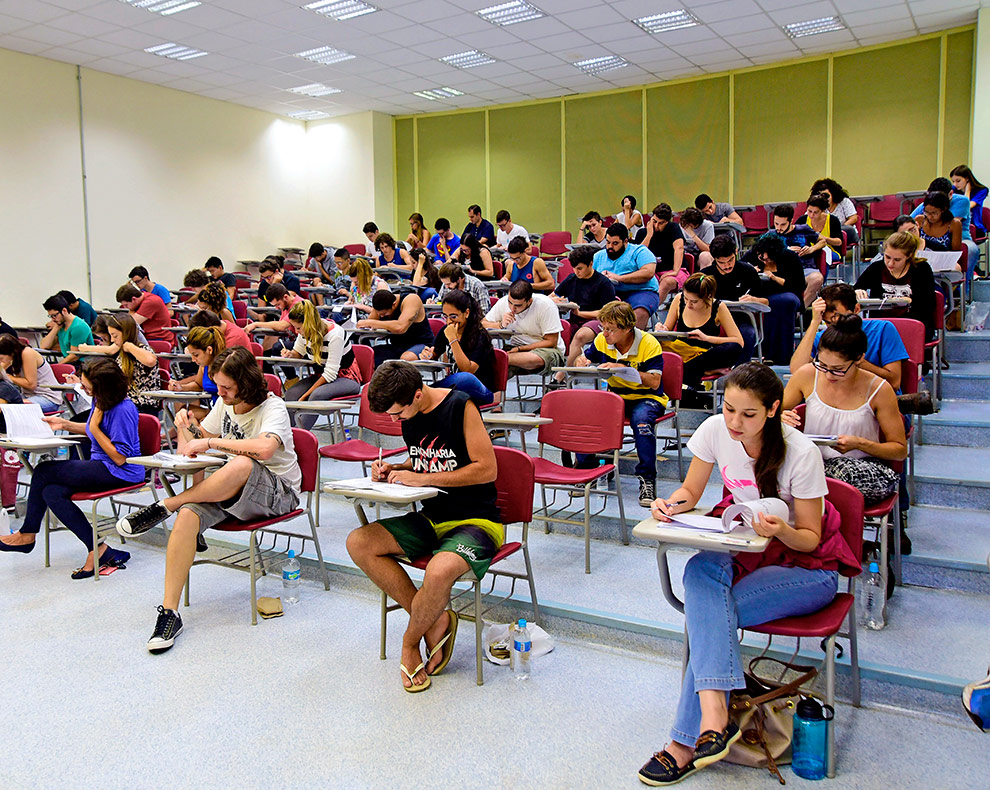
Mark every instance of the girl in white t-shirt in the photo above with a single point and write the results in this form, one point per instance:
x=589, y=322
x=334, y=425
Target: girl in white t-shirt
x=757, y=457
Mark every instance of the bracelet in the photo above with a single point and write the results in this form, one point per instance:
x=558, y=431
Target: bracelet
x=208, y=446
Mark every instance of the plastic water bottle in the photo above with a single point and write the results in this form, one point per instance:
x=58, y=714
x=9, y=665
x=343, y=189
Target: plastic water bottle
x=347, y=434
x=872, y=599
x=522, y=651
x=602, y=482
x=290, y=579
x=810, y=739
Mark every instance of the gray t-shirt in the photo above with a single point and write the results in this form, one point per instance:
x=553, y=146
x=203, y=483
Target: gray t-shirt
x=706, y=232
x=473, y=286
x=721, y=210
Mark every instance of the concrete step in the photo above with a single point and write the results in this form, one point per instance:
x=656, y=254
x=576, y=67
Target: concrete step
x=960, y=423
x=952, y=477
x=967, y=346
x=981, y=290
x=966, y=380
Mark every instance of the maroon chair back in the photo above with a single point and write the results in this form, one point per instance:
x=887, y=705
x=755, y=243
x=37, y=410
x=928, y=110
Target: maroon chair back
x=365, y=358
x=565, y=333
x=964, y=258
x=240, y=309
x=514, y=485
x=564, y=271
x=164, y=377
x=849, y=502
x=584, y=420
x=241, y=322
x=274, y=384
x=885, y=210
x=149, y=434
x=501, y=371
x=160, y=347
x=756, y=219
x=688, y=262
x=256, y=348
x=497, y=269
x=673, y=375
x=437, y=325
x=608, y=221
x=356, y=249
x=912, y=334
x=939, y=310
x=61, y=370
x=379, y=423
x=308, y=456
x=552, y=243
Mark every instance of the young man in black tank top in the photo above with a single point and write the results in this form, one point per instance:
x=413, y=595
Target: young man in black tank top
x=448, y=448
x=405, y=320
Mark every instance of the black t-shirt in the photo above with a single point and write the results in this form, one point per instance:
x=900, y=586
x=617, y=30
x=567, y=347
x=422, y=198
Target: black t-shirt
x=290, y=281
x=590, y=294
x=437, y=443
x=662, y=243
x=6, y=329
x=788, y=267
x=481, y=353
x=228, y=280
x=741, y=280
x=418, y=331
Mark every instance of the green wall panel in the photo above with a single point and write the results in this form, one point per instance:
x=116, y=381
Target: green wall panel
x=780, y=132
x=405, y=195
x=525, y=165
x=885, y=129
x=451, y=166
x=604, y=153
x=687, y=134
x=958, y=101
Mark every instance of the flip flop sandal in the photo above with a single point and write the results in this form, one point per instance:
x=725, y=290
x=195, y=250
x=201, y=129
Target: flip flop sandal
x=414, y=689
x=445, y=645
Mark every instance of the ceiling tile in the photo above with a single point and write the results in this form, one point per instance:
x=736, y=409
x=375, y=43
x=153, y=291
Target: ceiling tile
x=31, y=11
x=727, y=10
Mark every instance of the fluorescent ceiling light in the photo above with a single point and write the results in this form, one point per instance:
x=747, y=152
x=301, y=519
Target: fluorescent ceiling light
x=325, y=55
x=814, y=26
x=510, y=13
x=341, y=9
x=671, y=20
x=315, y=89
x=308, y=115
x=163, y=7
x=467, y=60
x=176, y=51
x=435, y=94
x=595, y=66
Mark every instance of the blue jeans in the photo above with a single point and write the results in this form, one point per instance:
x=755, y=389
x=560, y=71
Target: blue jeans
x=778, y=327
x=10, y=393
x=642, y=415
x=471, y=384
x=973, y=260
x=714, y=608
x=47, y=407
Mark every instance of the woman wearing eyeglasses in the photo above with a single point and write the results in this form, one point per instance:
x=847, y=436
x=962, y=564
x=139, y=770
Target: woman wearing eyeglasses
x=465, y=343
x=853, y=405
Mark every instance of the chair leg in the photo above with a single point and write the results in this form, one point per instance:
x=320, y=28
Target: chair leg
x=896, y=529
x=477, y=631
x=547, y=526
x=854, y=655
x=587, y=523
x=319, y=550
x=622, y=507
x=532, y=584
x=186, y=593
x=48, y=527
x=884, y=550
x=384, y=626
x=830, y=700
x=254, y=580
x=680, y=445
x=96, y=545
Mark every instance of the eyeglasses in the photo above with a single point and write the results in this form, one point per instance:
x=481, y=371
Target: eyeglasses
x=840, y=372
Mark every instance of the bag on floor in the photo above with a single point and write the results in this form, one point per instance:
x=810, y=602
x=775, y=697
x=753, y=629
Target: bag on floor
x=495, y=638
x=9, y=470
x=764, y=711
x=976, y=316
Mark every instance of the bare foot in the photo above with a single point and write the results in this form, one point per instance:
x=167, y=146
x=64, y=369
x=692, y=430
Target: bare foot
x=434, y=635
x=412, y=658
x=17, y=538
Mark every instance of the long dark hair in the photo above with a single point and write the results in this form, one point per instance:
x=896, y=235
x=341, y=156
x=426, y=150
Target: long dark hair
x=474, y=333
x=108, y=383
x=471, y=242
x=834, y=189
x=965, y=172
x=762, y=382
x=430, y=271
x=11, y=346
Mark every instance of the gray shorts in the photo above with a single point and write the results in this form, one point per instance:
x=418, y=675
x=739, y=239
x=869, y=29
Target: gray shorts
x=264, y=496
x=552, y=358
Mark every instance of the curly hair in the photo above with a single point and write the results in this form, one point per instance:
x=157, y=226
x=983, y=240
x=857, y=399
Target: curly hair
x=239, y=364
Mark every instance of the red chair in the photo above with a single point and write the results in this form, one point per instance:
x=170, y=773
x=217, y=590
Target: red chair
x=61, y=370
x=514, y=495
x=827, y=622
x=552, y=244
x=936, y=346
x=497, y=269
x=358, y=449
x=161, y=347
x=912, y=334
x=584, y=421
x=755, y=219
x=240, y=309
x=365, y=358
x=256, y=348
x=356, y=249
x=150, y=440
x=564, y=271
x=274, y=384
x=241, y=322
x=672, y=383
x=688, y=263
x=501, y=380
x=253, y=558
x=880, y=214
x=437, y=325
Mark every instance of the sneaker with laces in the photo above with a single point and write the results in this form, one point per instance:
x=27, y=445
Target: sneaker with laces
x=142, y=520
x=976, y=702
x=167, y=628
x=647, y=491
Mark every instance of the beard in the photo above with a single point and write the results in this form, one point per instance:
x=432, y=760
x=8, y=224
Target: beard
x=614, y=256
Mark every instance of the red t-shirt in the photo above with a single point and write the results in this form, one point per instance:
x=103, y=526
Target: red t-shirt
x=157, y=318
x=233, y=335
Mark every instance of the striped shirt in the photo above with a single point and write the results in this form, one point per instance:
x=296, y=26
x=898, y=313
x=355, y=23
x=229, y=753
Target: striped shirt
x=645, y=354
x=336, y=351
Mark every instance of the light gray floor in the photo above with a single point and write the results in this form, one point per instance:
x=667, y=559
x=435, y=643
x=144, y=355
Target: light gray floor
x=304, y=701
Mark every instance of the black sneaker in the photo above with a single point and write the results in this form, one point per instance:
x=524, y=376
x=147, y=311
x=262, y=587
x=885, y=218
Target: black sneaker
x=168, y=627
x=142, y=520
x=647, y=491
x=713, y=746
x=662, y=770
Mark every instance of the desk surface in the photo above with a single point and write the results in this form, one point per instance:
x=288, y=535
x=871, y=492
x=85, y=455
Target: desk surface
x=741, y=539
x=319, y=406
x=874, y=304
x=668, y=334
x=751, y=307
x=377, y=496
x=177, y=395
x=192, y=465
x=513, y=419
x=32, y=445
x=293, y=361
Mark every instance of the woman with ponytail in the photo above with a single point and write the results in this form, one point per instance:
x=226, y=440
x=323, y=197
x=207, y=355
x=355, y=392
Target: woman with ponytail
x=797, y=574
x=857, y=407
x=326, y=344
x=203, y=344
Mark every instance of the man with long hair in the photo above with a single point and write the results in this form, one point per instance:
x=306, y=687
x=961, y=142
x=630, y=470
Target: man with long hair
x=261, y=478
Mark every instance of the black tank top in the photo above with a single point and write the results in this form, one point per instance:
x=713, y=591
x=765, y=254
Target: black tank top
x=710, y=327
x=418, y=332
x=436, y=443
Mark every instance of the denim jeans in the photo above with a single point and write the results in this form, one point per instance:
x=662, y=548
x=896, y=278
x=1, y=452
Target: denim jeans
x=47, y=407
x=642, y=415
x=778, y=327
x=973, y=260
x=714, y=608
x=471, y=384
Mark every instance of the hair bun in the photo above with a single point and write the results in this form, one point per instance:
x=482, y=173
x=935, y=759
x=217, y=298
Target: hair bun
x=848, y=323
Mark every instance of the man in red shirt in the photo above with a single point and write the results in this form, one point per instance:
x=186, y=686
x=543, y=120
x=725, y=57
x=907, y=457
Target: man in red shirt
x=147, y=310
x=233, y=335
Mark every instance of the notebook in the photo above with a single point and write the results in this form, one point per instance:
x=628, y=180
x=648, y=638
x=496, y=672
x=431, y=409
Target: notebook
x=743, y=511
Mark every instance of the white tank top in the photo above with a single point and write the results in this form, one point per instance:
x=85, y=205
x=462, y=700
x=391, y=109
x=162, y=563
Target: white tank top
x=46, y=376
x=821, y=419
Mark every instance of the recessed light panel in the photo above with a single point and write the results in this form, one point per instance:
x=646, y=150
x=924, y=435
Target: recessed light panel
x=341, y=9
x=510, y=13
x=308, y=115
x=315, y=89
x=435, y=94
x=176, y=51
x=467, y=60
x=671, y=20
x=163, y=7
x=596, y=66
x=325, y=55
x=814, y=26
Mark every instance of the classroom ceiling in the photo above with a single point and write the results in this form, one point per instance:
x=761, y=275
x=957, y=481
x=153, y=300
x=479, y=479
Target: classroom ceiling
x=247, y=51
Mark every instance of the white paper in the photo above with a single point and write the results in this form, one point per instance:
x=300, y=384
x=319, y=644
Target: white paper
x=24, y=421
x=821, y=438
x=626, y=374
x=389, y=489
x=82, y=399
x=175, y=459
x=744, y=511
x=941, y=261
x=693, y=521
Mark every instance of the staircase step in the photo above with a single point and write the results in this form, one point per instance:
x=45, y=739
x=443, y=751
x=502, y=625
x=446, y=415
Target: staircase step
x=981, y=290
x=966, y=380
x=960, y=423
x=952, y=477
x=967, y=346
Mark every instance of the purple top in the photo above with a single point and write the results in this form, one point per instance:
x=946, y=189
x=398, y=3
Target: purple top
x=120, y=424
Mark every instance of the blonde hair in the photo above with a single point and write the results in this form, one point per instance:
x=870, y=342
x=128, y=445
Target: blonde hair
x=204, y=337
x=361, y=272
x=313, y=327
x=618, y=313
x=127, y=327
x=904, y=242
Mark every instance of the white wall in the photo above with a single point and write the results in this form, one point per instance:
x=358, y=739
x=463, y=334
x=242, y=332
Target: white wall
x=981, y=95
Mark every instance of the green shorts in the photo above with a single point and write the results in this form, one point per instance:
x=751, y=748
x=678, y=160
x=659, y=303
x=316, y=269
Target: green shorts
x=476, y=540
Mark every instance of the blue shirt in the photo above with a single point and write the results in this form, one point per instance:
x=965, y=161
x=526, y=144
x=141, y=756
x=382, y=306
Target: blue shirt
x=959, y=206
x=483, y=231
x=120, y=424
x=883, y=342
x=162, y=293
x=86, y=312
x=633, y=258
x=452, y=245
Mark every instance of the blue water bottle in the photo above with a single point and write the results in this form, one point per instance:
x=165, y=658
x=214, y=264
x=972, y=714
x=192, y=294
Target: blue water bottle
x=809, y=751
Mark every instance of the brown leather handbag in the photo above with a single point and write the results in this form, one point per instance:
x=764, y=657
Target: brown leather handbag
x=764, y=712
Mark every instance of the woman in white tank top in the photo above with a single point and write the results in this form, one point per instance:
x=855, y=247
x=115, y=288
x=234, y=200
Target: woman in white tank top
x=857, y=408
